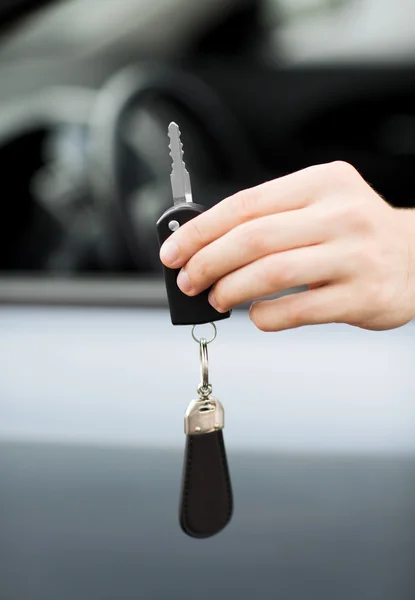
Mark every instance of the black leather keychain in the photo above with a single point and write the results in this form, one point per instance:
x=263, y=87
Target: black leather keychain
x=206, y=498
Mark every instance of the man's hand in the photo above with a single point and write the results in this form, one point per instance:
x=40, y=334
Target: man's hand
x=323, y=227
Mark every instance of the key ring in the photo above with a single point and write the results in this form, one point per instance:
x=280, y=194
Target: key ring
x=204, y=388
x=215, y=331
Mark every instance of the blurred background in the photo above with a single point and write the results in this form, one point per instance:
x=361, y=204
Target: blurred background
x=94, y=380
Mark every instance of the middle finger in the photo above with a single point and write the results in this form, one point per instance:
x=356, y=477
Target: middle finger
x=249, y=242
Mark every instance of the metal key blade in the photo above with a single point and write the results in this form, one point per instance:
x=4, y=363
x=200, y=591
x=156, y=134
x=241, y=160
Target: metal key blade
x=180, y=179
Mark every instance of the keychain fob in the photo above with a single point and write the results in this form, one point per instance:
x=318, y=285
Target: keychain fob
x=206, y=503
x=206, y=499
x=184, y=310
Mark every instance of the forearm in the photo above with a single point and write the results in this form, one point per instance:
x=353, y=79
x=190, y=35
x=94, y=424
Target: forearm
x=406, y=219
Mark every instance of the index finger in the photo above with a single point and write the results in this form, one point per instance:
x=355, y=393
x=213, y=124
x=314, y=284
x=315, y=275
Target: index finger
x=289, y=192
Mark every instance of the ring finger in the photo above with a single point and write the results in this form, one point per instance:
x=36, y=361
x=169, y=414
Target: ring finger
x=277, y=272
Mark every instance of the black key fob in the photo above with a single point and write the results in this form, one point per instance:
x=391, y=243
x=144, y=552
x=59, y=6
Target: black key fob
x=184, y=310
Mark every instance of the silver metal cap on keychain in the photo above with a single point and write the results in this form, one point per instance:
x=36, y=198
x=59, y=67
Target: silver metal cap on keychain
x=205, y=414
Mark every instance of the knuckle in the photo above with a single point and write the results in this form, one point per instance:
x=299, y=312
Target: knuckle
x=360, y=218
x=351, y=214
x=353, y=257
x=334, y=170
x=252, y=237
x=332, y=177
x=197, y=235
x=378, y=297
x=222, y=295
x=199, y=271
x=336, y=175
x=277, y=271
x=341, y=170
x=259, y=319
x=370, y=256
x=298, y=314
x=244, y=204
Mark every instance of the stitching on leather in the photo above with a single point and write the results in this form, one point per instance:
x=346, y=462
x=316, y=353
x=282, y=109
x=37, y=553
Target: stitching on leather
x=225, y=470
x=186, y=483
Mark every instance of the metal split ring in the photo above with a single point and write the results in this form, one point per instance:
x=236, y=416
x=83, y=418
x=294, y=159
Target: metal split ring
x=204, y=363
x=200, y=340
x=204, y=389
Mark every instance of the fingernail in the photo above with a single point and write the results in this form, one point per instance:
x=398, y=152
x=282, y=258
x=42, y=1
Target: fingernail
x=251, y=308
x=212, y=302
x=169, y=253
x=183, y=282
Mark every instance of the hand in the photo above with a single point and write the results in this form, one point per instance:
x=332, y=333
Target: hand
x=323, y=227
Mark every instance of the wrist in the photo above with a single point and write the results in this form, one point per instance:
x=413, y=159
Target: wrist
x=407, y=224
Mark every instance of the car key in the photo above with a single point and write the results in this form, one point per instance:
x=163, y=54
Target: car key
x=206, y=503
x=184, y=310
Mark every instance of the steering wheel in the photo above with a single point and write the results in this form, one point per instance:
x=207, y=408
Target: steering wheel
x=130, y=163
